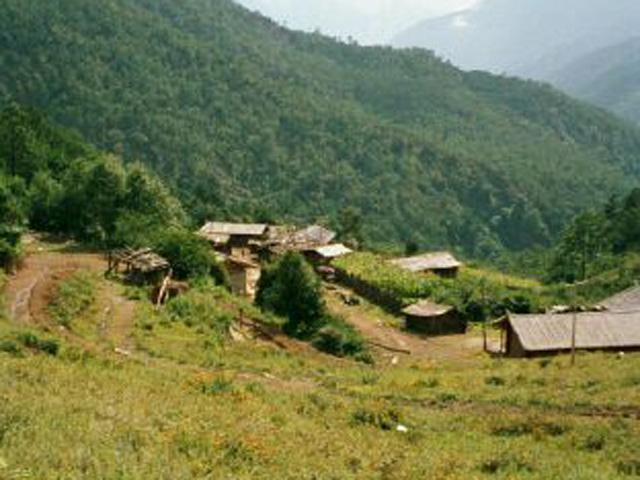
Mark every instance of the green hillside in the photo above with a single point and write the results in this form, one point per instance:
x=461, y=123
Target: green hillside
x=248, y=119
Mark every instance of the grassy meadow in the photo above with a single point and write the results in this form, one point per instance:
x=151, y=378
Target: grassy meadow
x=186, y=402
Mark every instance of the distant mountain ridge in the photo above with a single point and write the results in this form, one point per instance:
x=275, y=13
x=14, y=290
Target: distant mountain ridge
x=523, y=37
x=609, y=77
x=249, y=120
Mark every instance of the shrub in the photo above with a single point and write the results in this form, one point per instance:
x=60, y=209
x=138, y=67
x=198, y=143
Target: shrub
x=340, y=339
x=10, y=347
x=501, y=464
x=428, y=383
x=495, y=381
x=292, y=290
x=629, y=467
x=33, y=342
x=217, y=387
x=385, y=419
x=594, y=442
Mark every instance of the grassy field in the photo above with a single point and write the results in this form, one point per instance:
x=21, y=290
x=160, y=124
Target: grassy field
x=188, y=403
x=247, y=411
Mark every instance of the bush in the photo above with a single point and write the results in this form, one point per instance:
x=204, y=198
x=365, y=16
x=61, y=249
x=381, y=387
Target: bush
x=509, y=462
x=190, y=256
x=33, y=342
x=10, y=347
x=217, y=387
x=292, y=290
x=340, y=339
x=385, y=419
x=495, y=381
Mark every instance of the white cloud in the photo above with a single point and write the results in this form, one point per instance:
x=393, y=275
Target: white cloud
x=460, y=21
x=368, y=21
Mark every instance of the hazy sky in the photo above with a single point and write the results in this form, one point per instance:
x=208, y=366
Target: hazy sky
x=368, y=21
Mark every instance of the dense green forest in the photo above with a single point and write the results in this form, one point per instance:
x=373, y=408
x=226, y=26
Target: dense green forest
x=246, y=119
x=53, y=182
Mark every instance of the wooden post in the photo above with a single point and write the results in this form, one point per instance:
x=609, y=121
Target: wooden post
x=485, y=340
x=574, y=327
x=163, y=288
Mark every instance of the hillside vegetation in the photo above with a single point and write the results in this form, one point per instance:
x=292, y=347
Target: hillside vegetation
x=248, y=119
x=189, y=404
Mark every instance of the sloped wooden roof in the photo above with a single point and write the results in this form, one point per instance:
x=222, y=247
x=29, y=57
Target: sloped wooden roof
x=428, y=261
x=427, y=309
x=626, y=301
x=231, y=229
x=594, y=330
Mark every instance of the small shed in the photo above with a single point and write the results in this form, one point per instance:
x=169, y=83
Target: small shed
x=324, y=255
x=244, y=275
x=626, y=301
x=433, y=319
x=549, y=334
x=440, y=263
x=142, y=266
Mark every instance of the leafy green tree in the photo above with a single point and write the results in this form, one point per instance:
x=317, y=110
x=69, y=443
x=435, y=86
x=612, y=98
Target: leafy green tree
x=45, y=197
x=13, y=218
x=292, y=290
x=351, y=226
x=146, y=194
x=582, y=247
x=191, y=257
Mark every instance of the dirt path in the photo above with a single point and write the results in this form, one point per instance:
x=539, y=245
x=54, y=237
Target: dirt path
x=27, y=292
x=398, y=345
x=117, y=318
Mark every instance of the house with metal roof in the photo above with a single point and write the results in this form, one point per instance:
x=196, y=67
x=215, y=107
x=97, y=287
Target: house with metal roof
x=549, y=334
x=440, y=263
x=626, y=301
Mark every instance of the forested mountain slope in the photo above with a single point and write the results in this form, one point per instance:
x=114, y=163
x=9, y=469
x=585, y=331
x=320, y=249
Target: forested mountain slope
x=609, y=77
x=247, y=118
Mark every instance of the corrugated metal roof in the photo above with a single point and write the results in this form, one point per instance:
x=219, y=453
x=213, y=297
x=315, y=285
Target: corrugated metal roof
x=594, y=330
x=333, y=251
x=426, y=308
x=244, y=229
x=626, y=301
x=428, y=261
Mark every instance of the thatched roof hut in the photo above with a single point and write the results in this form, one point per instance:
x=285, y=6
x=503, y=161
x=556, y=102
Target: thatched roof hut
x=142, y=266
